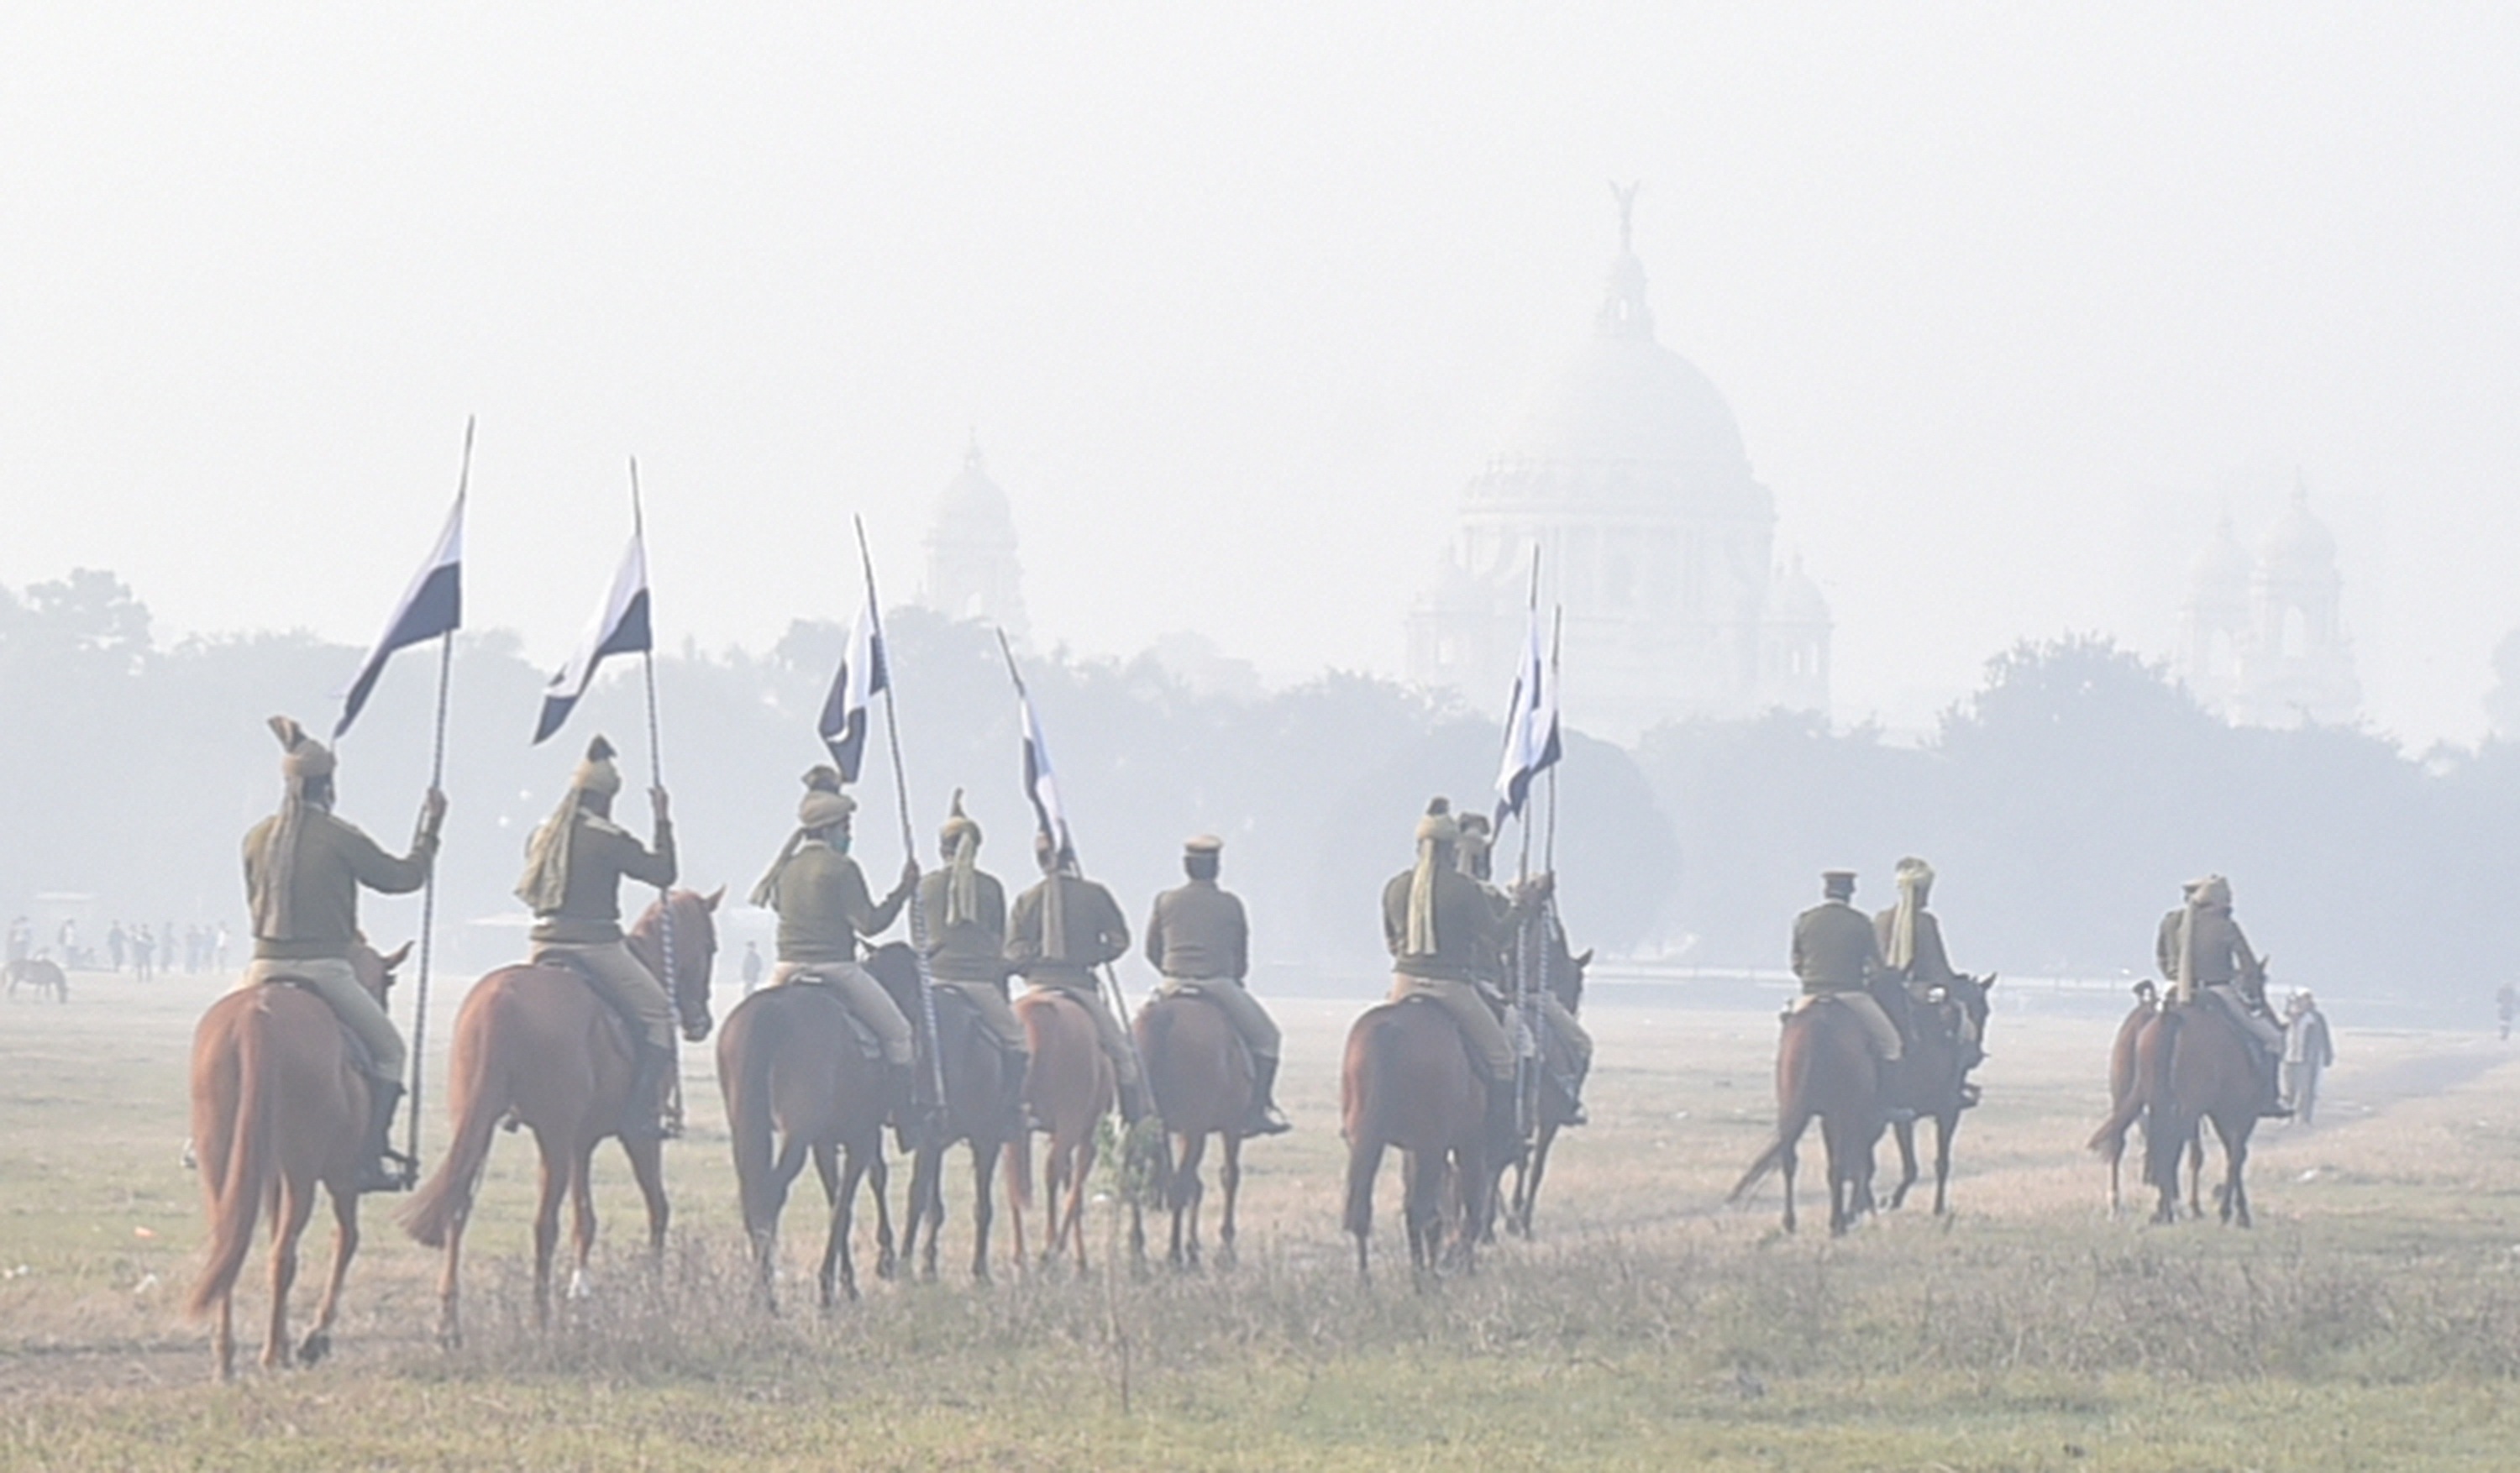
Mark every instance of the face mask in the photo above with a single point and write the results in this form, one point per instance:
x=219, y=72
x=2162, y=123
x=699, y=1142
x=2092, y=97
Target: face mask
x=840, y=841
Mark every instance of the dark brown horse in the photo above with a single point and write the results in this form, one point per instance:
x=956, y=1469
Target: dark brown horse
x=1824, y=1071
x=538, y=1045
x=1407, y=1081
x=1070, y=1089
x=798, y=1080
x=2109, y=1140
x=1931, y=1080
x=2193, y=1063
x=278, y=1109
x=1552, y=1110
x=41, y=975
x=979, y=1108
x=1202, y=1077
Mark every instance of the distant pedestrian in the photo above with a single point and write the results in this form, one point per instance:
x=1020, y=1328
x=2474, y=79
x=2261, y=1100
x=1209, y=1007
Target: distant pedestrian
x=752, y=967
x=144, y=954
x=21, y=939
x=2308, y=1049
x=222, y=952
x=2506, y=1004
x=116, y=945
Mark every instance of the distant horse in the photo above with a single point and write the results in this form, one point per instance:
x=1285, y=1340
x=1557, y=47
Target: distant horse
x=1552, y=1110
x=1201, y=1076
x=279, y=1106
x=1825, y=1070
x=1931, y=1080
x=1069, y=1090
x=537, y=1046
x=1407, y=1081
x=792, y=1063
x=2193, y=1063
x=42, y=975
x=978, y=1108
x=2109, y=1140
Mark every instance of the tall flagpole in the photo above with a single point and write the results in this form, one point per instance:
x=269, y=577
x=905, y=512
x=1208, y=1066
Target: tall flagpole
x=655, y=747
x=1526, y=1106
x=878, y=650
x=429, y=890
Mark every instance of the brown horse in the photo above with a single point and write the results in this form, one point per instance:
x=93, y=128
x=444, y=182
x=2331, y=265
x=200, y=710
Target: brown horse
x=1551, y=1108
x=1070, y=1089
x=538, y=1045
x=1407, y=1081
x=1202, y=1077
x=2193, y=1063
x=1931, y=1080
x=278, y=1107
x=791, y=1062
x=1824, y=1070
x=979, y=1107
x=2109, y=1140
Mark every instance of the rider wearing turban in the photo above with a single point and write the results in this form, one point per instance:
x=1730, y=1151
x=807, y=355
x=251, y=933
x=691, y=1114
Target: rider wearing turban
x=966, y=942
x=1200, y=940
x=1062, y=931
x=574, y=866
x=1477, y=850
x=824, y=909
x=303, y=868
x=1910, y=938
x=2203, y=954
x=1444, y=930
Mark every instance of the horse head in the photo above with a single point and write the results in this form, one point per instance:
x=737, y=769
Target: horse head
x=694, y=929
x=375, y=969
x=1567, y=980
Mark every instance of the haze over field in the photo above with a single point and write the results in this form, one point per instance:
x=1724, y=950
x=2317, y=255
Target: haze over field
x=2008, y=307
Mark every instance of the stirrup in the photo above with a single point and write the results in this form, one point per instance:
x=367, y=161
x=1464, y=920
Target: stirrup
x=1264, y=1121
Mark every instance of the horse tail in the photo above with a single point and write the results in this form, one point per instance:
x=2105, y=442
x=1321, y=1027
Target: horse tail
x=249, y=1165
x=745, y=1071
x=1020, y=1167
x=1793, y=1114
x=477, y=1084
x=1768, y=1160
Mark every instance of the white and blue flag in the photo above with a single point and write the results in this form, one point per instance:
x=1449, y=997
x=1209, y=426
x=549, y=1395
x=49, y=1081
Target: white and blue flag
x=847, y=711
x=621, y=627
x=432, y=608
x=1531, y=740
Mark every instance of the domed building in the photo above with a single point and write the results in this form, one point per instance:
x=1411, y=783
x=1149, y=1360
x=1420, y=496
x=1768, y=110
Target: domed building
x=2262, y=639
x=971, y=568
x=1626, y=476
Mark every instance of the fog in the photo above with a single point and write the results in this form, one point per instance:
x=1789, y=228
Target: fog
x=2010, y=310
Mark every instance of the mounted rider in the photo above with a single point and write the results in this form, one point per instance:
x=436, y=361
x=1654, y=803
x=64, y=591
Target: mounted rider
x=1911, y=939
x=574, y=866
x=821, y=896
x=1200, y=939
x=1444, y=930
x=1478, y=862
x=2202, y=953
x=966, y=942
x=1836, y=955
x=1063, y=929
x=304, y=868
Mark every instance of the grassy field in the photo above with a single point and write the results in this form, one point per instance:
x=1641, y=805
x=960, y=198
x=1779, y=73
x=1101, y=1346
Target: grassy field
x=2372, y=1319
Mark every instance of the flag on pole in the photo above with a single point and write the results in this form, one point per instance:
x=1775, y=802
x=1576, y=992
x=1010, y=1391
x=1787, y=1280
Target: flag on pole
x=1531, y=742
x=620, y=627
x=434, y=605
x=865, y=671
x=1041, y=782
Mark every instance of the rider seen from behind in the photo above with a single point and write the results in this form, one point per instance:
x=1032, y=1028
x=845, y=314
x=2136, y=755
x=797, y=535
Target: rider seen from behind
x=1837, y=955
x=1063, y=928
x=966, y=942
x=821, y=896
x=2202, y=953
x=1200, y=939
x=1477, y=861
x=303, y=868
x=574, y=866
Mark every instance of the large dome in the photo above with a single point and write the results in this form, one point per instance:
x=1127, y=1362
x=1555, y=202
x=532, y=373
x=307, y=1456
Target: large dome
x=1628, y=398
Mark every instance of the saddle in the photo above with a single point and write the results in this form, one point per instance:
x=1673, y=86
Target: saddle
x=629, y=1026
x=361, y=1057
x=868, y=1046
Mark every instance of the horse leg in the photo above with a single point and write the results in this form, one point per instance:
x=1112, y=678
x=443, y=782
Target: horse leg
x=1786, y=1161
x=1053, y=1185
x=2235, y=1155
x=555, y=1186
x=836, y=1245
x=1906, y=1132
x=345, y=1243
x=450, y=1324
x=648, y=1166
x=297, y=1204
x=926, y=1206
x=984, y=1161
x=1185, y=1194
x=1229, y=1174
x=1945, y=1126
x=1082, y=1173
x=1422, y=1206
x=2195, y=1173
x=1364, y=1162
x=878, y=1177
x=1530, y=1204
x=581, y=1196
x=223, y=1338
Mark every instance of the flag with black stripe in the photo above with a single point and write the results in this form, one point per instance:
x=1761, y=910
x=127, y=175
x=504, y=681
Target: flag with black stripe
x=432, y=608
x=621, y=627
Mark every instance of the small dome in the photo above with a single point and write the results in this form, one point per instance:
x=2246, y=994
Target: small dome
x=2300, y=545
x=974, y=507
x=1794, y=599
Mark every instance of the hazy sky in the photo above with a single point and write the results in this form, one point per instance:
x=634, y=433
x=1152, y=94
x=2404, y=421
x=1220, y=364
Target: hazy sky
x=2009, y=304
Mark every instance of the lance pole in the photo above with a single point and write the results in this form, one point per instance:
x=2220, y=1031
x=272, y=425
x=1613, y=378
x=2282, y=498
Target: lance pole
x=655, y=744
x=1524, y=1076
x=878, y=650
x=429, y=890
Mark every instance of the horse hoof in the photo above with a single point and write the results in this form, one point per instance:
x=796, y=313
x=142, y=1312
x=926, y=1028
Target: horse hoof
x=579, y=1288
x=885, y=1268
x=315, y=1347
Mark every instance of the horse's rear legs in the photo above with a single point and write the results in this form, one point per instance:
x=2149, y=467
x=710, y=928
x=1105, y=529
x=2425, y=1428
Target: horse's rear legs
x=1364, y=1162
x=297, y=1204
x=345, y=1243
x=1229, y=1177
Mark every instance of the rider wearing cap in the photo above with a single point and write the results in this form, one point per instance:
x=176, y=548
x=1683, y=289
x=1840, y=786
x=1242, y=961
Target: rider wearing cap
x=303, y=868
x=821, y=896
x=1063, y=928
x=574, y=866
x=1836, y=955
x=1200, y=941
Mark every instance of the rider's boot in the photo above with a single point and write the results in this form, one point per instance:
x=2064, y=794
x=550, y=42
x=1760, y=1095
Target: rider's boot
x=2270, y=1106
x=1263, y=1118
x=1570, y=1086
x=642, y=1113
x=381, y=1169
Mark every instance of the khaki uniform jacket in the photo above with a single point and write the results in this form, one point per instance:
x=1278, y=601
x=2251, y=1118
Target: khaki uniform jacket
x=2222, y=954
x=1470, y=923
x=1199, y=930
x=334, y=859
x=824, y=907
x=1933, y=965
x=1835, y=950
x=1097, y=932
x=602, y=855
x=969, y=950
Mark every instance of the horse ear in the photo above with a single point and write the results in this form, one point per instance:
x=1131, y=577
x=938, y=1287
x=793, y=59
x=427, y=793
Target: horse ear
x=1988, y=984
x=1584, y=960
x=709, y=901
x=396, y=957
